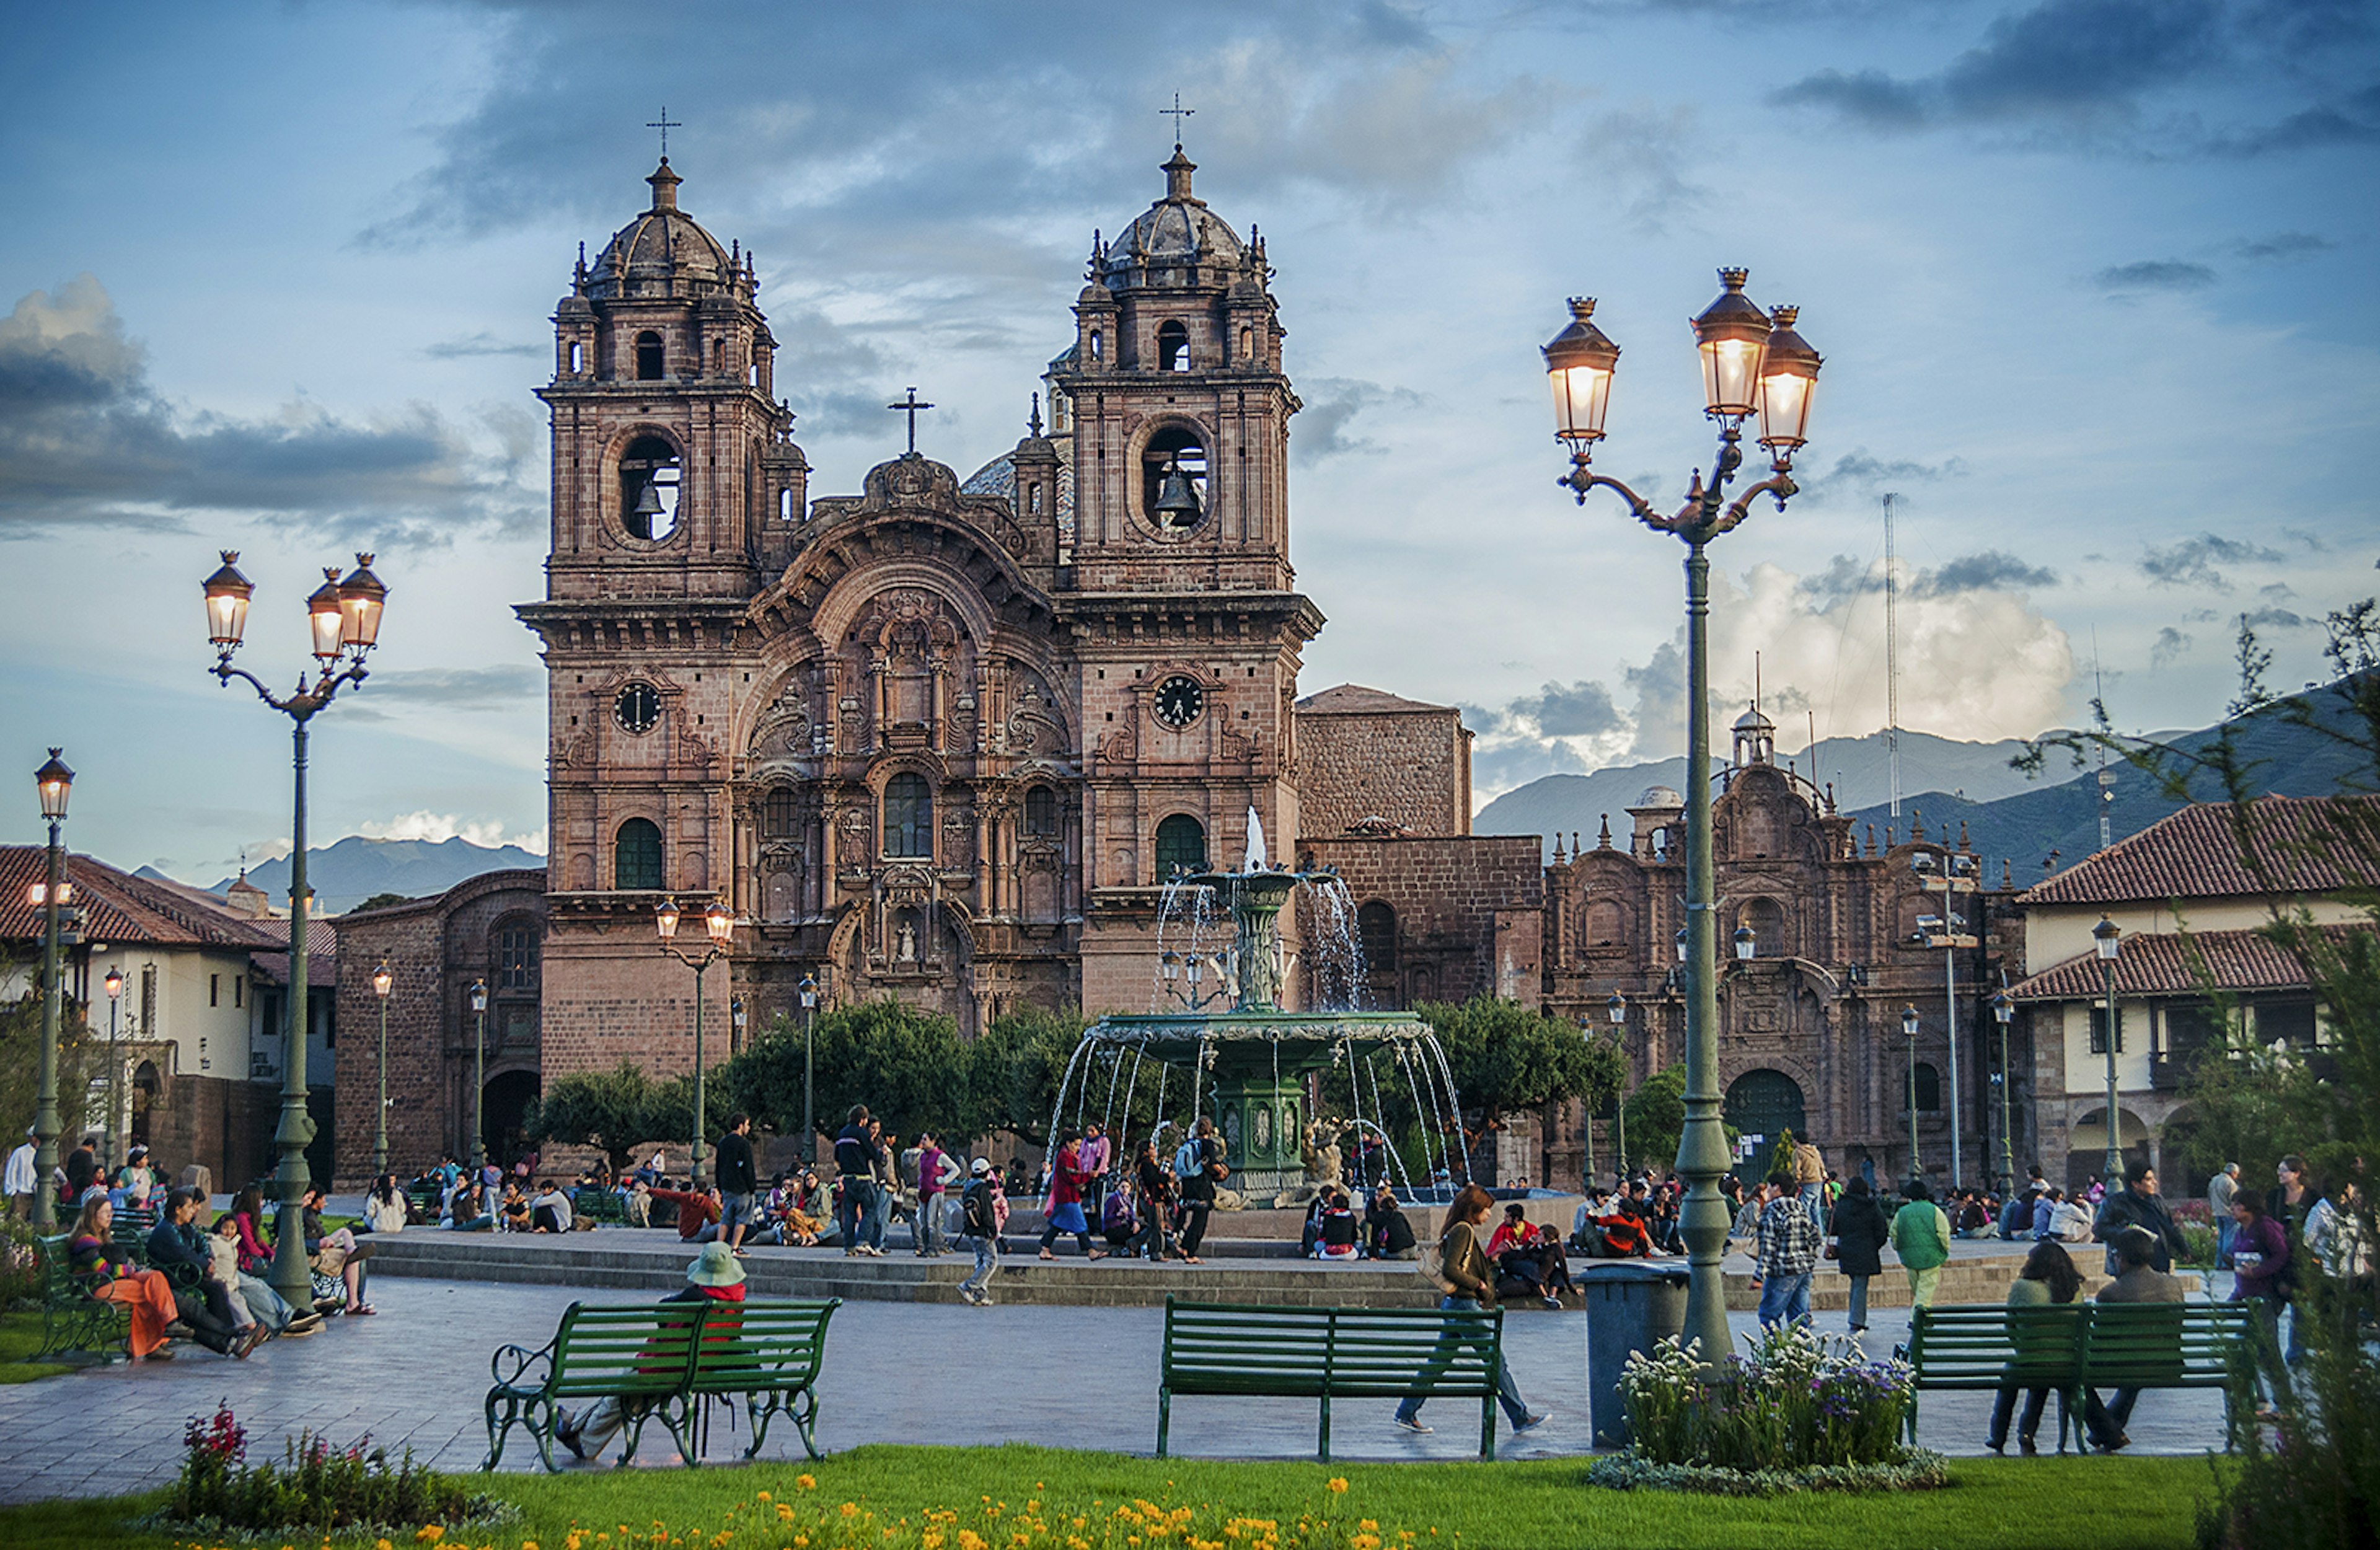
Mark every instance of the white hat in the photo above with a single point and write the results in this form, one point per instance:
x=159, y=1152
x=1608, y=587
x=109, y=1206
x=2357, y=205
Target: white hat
x=980, y=1167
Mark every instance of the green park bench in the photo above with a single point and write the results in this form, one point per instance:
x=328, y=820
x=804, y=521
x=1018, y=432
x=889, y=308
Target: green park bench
x=133, y=1225
x=597, y=1203
x=668, y=1356
x=424, y=1200
x=1326, y=1354
x=72, y=1319
x=2078, y=1347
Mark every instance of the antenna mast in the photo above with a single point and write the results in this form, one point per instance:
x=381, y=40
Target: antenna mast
x=1892, y=655
x=2107, y=779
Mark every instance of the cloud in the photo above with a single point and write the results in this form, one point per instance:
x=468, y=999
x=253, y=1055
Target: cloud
x=2191, y=562
x=2171, y=643
x=1642, y=154
x=2154, y=275
x=2355, y=120
x=1857, y=467
x=511, y=687
x=1323, y=426
x=2275, y=619
x=479, y=344
x=439, y=828
x=1987, y=571
x=86, y=442
x=2282, y=247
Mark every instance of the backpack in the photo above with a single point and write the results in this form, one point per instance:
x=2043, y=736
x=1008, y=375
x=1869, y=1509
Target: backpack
x=975, y=1210
x=1185, y=1158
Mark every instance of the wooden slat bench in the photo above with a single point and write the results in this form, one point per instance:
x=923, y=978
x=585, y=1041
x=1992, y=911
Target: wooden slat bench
x=72, y=1319
x=1326, y=1354
x=133, y=1225
x=2076, y=1348
x=669, y=1356
x=599, y=1205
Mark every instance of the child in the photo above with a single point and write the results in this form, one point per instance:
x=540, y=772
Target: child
x=985, y=1207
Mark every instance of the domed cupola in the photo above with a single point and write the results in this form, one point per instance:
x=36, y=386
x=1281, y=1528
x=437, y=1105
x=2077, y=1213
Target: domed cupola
x=1755, y=738
x=1176, y=243
x=664, y=253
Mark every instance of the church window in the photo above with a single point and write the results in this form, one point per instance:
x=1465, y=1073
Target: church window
x=1929, y=1088
x=517, y=955
x=637, y=855
x=1041, y=811
x=650, y=479
x=780, y=814
x=1181, y=843
x=719, y=355
x=784, y=505
x=1173, y=347
x=1094, y=344
x=1173, y=480
x=578, y=357
x=648, y=356
x=908, y=815
x=1376, y=928
x=1247, y=342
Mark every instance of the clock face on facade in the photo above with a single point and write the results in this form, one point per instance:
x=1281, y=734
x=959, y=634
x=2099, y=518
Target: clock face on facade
x=1179, y=700
x=638, y=708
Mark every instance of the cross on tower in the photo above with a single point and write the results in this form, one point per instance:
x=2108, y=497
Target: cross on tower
x=664, y=124
x=1176, y=112
x=910, y=406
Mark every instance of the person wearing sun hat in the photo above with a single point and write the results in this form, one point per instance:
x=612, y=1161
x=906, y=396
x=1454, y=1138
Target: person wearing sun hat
x=715, y=1275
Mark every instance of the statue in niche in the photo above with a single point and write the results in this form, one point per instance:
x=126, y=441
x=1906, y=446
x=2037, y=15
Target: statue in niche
x=906, y=944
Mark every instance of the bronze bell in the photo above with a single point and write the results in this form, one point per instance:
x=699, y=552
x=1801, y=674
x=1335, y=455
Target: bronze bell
x=648, y=500
x=1177, y=504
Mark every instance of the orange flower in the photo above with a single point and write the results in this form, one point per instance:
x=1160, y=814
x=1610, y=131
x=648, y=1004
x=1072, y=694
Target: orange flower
x=1338, y=1486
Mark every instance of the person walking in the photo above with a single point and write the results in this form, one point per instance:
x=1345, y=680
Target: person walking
x=18, y=1179
x=1470, y=1287
x=1921, y=1236
x=1064, y=1203
x=1206, y=1157
x=2049, y=1277
x=2138, y=1205
x=1094, y=1157
x=1786, y=1256
x=2261, y=1269
x=738, y=1182
x=2290, y=1201
x=1809, y=1181
x=2219, y=1191
x=1861, y=1229
x=983, y=1211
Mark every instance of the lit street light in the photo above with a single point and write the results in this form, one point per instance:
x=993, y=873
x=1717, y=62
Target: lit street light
x=1754, y=363
x=54, y=781
x=343, y=618
x=809, y=1022
x=1908, y=1031
x=115, y=984
x=719, y=922
x=384, y=980
x=2004, y=1012
x=479, y=994
x=2108, y=937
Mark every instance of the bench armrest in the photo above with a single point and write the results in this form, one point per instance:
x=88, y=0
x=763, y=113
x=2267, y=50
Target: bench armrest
x=511, y=1365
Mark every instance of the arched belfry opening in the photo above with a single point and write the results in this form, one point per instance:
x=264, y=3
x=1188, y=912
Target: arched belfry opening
x=649, y=475
x=1173, y=480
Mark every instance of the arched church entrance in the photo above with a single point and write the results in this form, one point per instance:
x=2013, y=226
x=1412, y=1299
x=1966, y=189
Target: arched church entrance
x=1762, y=1105
x=509, y=1093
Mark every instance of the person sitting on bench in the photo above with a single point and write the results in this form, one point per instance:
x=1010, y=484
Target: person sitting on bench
x=714, y=1276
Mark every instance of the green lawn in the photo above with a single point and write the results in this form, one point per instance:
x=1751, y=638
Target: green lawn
x=21, y=1336
x=2102, y=1504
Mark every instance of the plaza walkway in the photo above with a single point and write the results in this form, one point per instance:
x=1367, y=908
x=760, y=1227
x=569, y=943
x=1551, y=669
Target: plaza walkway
x=413, y=1375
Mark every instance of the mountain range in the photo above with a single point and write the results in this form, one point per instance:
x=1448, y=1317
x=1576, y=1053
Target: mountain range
x=2009, y=814
x=355, y=869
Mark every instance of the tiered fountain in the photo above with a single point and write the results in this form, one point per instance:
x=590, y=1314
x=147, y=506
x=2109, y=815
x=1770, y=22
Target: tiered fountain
x=1245, y=1067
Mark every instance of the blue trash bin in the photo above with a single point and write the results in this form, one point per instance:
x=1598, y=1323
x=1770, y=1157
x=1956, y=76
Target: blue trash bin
x=1632, y=1305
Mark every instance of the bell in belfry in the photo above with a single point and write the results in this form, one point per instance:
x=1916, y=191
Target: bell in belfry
x=1177, y=503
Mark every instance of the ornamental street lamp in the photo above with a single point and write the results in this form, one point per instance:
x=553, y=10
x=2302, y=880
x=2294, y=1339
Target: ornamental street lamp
x=479, y=994
x=54, y=781
x=2108, y=937
x=1908, y=1031
x=2004, y=1012
x=719, y=922
x=343, y=618
x=115, y=984
x=809, y=1022
x=1617, y=1009
x=1951, y=932
x=384, y=980
x=1747, y=944
x=1752, y=363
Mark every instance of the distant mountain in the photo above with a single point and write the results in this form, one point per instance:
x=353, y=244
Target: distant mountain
x=1859, y=767
x=2060, y=812
x=355, y=869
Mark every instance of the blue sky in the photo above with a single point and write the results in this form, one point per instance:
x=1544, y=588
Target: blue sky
x=2093, y=278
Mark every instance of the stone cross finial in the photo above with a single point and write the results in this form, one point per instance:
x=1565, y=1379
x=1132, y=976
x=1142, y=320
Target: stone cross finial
x=1177, y=113
x=910, y=406
x=664, y=124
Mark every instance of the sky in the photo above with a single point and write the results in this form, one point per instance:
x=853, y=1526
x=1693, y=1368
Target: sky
x=2093, y=279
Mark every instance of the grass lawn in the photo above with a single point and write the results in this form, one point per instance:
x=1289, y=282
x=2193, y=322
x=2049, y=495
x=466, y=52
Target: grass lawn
x=21, y=1336
x=2101, y=1503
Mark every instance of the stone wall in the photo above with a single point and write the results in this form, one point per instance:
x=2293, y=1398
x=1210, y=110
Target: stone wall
x=1410, y=765
x=1466, y=911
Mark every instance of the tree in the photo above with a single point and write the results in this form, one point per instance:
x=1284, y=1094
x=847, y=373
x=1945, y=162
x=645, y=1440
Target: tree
x=380, y=902
x=82, y=1063
x=1506, y=1058
x=612, y=1110
x=1656, y=1115
x=909, y=1066
x=1014, y=1073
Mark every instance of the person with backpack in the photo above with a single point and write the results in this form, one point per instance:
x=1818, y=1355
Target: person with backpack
x=1198, y=1180
x=984, y=1212
x=1921, y=1236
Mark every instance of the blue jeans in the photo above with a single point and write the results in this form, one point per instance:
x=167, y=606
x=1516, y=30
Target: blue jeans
x=1508, y=1393
x=1859, y=1302
x=1785, y=1300
x=880, y=1202
x=2224, y=1229
x=987, y=1263
x=847, y=1215
x=1815, y=1197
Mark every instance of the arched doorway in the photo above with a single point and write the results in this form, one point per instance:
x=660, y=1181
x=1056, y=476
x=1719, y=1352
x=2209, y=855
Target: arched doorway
x=2086, y=1145
x=1764, y=1104
x=146, y=1088
x=509, y=1093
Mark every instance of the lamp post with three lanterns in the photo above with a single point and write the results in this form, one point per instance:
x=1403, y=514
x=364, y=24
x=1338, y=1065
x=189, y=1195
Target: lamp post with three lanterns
x=54, y=781
x=1752, y=363
x=718, y=922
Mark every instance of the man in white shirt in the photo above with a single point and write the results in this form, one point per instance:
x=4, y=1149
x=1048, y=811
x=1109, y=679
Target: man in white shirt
x=18, y=1180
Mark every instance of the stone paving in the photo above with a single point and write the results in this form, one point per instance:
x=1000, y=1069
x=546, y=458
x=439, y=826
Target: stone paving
x=413, y=1375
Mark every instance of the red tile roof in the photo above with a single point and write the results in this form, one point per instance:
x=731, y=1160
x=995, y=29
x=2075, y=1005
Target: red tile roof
x=2161, y=965
x=118, y=907
x=2195, y=853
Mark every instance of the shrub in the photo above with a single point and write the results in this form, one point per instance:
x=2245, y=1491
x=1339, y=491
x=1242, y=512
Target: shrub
x=20, y=1268
x=1798, y=1400
x=2199, y=1242
x=314, y=1485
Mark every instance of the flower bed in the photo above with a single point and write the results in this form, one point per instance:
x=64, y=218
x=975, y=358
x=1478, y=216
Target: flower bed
x=1800, y=1411
x=313, y=1485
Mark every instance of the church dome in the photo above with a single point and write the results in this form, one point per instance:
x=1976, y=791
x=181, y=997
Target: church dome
x=1176, y=241
x=1657, y=798
x=662, y=253
x=1753, y=721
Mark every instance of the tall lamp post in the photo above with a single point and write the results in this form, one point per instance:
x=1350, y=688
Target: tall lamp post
x=1909, y=1032
x=2108, y=937
x=719, y=923
x=1617, y=1010
x=54, y=779
x=1950, y=934
x=115, y=984
x=343, y=617
x=2004, y=1012
x=1752, y=363
x=384, y=980
x=809, y=1022
x=479, y=995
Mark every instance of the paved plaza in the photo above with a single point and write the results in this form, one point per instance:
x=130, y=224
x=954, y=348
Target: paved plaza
x=414, y=1376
